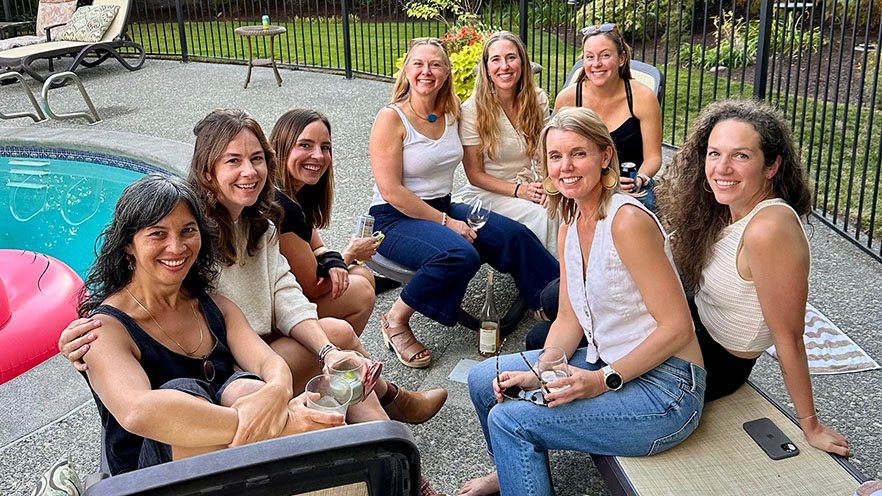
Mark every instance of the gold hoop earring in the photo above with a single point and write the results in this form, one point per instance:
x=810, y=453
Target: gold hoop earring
x=607, y=180
x=549, y=187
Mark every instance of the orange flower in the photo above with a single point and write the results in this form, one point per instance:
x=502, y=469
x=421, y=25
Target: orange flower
x=472, y=42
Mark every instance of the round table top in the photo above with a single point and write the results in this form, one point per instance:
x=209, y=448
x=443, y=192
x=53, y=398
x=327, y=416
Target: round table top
x=259, y=30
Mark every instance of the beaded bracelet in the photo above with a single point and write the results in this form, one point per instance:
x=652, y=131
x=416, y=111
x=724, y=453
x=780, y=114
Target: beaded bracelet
x=324, y=352
x=517, y=187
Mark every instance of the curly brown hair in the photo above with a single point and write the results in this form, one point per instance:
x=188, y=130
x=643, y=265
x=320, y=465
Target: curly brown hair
x=213, y=133
x=690, y=211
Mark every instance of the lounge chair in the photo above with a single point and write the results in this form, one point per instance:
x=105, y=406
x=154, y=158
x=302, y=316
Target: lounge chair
x=113, y=40
x=368, y=459
x=50, y=14
x=720, y=458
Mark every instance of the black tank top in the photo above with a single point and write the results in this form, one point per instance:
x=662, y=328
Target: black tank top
x=161, y=365
x=627, y=137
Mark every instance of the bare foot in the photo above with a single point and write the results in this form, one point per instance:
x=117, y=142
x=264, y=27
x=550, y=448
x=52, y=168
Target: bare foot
x=482, y=486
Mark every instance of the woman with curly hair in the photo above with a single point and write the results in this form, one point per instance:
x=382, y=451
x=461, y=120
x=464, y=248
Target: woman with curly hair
x=499, y=131
x=735, y=196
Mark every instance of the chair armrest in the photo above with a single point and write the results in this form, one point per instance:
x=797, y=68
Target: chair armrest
x=13, y=26
x=48, y=30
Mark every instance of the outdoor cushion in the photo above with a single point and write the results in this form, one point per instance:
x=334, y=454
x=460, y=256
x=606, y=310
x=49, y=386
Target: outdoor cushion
x=52, y=12
x=89, y=23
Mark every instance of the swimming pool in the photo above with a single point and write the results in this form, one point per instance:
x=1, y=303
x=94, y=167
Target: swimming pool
x=57, y=202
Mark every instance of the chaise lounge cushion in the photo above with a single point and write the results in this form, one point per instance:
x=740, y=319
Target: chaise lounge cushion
x=89, y=23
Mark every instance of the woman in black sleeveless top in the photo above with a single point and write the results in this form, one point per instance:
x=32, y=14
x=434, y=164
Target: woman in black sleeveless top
x=629, y=109
x=163, y=372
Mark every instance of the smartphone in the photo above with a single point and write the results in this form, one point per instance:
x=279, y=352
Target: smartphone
x=770, y=438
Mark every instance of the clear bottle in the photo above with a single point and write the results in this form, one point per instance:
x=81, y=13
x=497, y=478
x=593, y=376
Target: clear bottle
x=488, y=340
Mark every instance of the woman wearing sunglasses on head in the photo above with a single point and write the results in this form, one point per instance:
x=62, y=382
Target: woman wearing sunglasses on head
x=629, y=108
x=637, y=388
x=163, y=372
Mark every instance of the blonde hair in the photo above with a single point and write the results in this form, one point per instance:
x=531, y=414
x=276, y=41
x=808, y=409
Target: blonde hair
x=585, y=123
x=487, y=107
x=446, y=97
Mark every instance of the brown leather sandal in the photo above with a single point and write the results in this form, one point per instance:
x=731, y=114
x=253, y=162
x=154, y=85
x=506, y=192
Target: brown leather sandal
x=401, y=340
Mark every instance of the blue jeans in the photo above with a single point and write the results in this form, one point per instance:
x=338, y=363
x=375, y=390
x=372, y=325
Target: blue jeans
x=648, y=415
x=445, y=262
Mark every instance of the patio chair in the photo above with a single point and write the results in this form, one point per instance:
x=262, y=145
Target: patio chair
x=108, y=46
x=720, y=458
x=50, y=14
x=368, y=459
x=641, y=71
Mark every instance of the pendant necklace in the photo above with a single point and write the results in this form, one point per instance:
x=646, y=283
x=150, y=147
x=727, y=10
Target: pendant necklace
x=431, y=117
x=198, y=324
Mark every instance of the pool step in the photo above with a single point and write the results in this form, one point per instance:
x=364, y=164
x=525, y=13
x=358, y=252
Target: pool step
x=14, y=184
x=29, y=163
x=29, y=172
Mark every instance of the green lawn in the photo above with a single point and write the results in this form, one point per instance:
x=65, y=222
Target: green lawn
x=376, y=46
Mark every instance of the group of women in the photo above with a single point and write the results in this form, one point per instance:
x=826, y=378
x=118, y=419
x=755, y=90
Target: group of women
x=640, y=362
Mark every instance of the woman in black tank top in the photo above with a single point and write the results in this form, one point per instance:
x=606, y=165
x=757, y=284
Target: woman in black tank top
x=605, y=85
x=163, y=372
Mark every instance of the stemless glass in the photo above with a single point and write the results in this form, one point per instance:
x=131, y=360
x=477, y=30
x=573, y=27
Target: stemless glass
x=479, y=214
x=351, y=369
x=552, y=365
x=334, y=394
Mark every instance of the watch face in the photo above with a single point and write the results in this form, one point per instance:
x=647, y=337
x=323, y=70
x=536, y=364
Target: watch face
x=614, y=381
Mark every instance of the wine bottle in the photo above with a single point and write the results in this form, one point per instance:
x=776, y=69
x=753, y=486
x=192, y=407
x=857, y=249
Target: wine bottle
x=488, y=340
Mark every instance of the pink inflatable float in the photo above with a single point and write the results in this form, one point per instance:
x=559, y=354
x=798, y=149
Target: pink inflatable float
x=37, y=301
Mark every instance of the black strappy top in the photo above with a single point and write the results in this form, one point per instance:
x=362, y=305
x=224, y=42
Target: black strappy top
x=161, y=365
x=627, y=137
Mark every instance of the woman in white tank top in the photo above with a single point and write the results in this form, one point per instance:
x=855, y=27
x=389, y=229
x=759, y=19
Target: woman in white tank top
x=638, y=387
x=734, y=196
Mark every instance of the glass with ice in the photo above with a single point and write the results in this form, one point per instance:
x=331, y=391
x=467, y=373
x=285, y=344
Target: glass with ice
x=334, y=394
x=552, y=365
x=351, y=369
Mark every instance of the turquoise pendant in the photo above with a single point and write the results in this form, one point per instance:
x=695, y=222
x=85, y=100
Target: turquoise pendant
x=432, y=118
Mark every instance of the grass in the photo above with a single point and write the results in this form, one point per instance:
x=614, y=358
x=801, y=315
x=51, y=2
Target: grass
x=837, y=135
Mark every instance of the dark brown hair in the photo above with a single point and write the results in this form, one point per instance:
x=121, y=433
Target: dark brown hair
x=315, y=199
x=213, y=133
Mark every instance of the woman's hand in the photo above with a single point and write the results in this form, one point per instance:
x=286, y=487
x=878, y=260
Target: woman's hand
x=824, y=438
x=339, y=281
x=360, y=248
x=582, y=384
x=463, y=229
x=532, y=192
x=525, y=380
x=262, y=415
x=302, y=419
x=337, y=356
x=631, y=186
x=75, y=339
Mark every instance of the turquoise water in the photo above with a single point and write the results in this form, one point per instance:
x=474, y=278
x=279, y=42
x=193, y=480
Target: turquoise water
x=58, y=207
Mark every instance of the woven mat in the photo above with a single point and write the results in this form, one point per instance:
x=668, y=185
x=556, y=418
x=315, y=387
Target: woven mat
x=828, y=349
x=719, y=458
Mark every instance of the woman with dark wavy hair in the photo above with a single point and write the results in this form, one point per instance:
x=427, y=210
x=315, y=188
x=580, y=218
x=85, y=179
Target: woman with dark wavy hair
x=163, y=373
x=735, y=196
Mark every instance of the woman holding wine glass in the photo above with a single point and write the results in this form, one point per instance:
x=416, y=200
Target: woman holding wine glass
x=415, y=148
x=637, y=388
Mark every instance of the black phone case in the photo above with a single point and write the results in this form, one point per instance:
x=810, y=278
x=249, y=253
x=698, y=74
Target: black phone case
x=770, y=438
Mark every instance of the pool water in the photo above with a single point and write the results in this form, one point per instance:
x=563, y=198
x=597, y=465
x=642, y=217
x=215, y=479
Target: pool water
x=58, y=207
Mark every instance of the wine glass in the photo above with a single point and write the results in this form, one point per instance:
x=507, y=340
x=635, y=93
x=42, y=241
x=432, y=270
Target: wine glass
x=334, y=394
x=479, y=214
x=552, y=365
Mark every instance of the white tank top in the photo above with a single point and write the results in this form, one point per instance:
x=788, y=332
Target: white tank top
x=607, y=302
x=427, y=165
x=727, y=304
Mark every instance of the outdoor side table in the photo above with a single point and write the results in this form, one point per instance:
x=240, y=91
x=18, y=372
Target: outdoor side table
x=253, y=31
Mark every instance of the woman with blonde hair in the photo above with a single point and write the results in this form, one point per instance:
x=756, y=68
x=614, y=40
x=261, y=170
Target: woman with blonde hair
x=499, y=130
x=415, y=148
x=735, y=196
x=637, y=388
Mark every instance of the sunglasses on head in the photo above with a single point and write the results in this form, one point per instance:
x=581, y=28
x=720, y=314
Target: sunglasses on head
x=428, y=40
x=518, y=394
x=600, y=28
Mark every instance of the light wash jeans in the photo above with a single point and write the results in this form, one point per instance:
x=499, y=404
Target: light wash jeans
x=650, y=414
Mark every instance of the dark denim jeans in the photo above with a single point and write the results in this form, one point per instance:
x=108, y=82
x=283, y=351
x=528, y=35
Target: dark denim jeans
x=445, y=262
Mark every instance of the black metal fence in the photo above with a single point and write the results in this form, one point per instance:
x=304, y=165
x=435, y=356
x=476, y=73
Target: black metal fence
x=818, y=61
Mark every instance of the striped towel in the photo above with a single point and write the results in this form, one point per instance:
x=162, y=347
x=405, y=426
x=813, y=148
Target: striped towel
x=829, y=350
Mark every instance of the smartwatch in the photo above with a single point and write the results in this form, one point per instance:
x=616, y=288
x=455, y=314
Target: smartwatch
x=612, y=378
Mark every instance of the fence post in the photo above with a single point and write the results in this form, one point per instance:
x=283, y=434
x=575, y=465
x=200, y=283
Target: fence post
x=181, y=32
x=7, y=11
x=764, y=42
x=347, y=43
x=522, y=18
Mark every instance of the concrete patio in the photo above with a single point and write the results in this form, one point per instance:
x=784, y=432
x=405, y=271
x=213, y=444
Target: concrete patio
x=48, y=412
